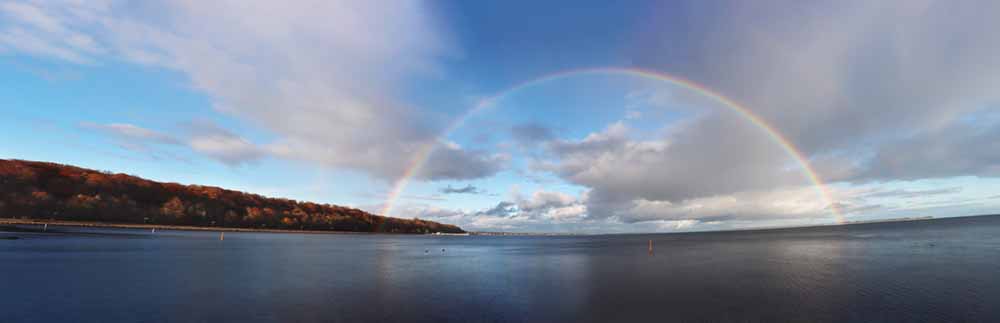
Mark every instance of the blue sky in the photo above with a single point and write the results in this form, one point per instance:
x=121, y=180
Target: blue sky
x=894, y=104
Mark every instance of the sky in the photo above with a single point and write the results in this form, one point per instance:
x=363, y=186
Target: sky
x=525, y=116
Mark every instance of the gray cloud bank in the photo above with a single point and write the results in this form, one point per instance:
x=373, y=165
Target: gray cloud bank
x=868, y=91
x=892, y=84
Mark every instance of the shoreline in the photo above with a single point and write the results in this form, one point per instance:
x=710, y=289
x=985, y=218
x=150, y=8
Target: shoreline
x=88, y=224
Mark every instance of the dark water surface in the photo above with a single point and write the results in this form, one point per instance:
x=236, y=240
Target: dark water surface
x=945, y=270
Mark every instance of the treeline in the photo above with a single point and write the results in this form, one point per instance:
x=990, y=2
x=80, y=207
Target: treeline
x=40, y=190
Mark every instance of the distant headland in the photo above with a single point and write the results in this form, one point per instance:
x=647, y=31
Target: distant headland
x=903, y=219
x=39, y=191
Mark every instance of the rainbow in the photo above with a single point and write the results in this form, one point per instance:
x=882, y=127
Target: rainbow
x=423, y=154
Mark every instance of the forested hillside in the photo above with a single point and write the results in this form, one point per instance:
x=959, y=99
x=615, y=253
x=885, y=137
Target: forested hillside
x=42, y=190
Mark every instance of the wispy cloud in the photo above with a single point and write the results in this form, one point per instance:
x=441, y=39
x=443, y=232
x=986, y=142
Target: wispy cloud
x=320, y=76
x=49, y=30
x=906, y=193
x=133, y=135
x=223, y=145
x=467, y=189
x=204, y=138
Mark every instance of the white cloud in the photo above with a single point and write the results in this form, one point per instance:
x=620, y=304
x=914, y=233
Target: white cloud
x=544, y=200
x=698, y=162
x=540, y=210
x=321, y=76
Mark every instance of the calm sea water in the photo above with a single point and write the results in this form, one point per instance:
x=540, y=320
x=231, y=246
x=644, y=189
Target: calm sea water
x=945, y=270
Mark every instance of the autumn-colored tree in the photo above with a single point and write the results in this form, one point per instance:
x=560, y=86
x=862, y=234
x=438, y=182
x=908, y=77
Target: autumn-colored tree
x=82, y=206
x=54, y=191
x=173, y=210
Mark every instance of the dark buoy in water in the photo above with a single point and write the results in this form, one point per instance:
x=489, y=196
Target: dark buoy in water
x=442, y=249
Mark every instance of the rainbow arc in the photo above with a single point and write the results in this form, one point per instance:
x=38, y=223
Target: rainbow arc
x=420, y=158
